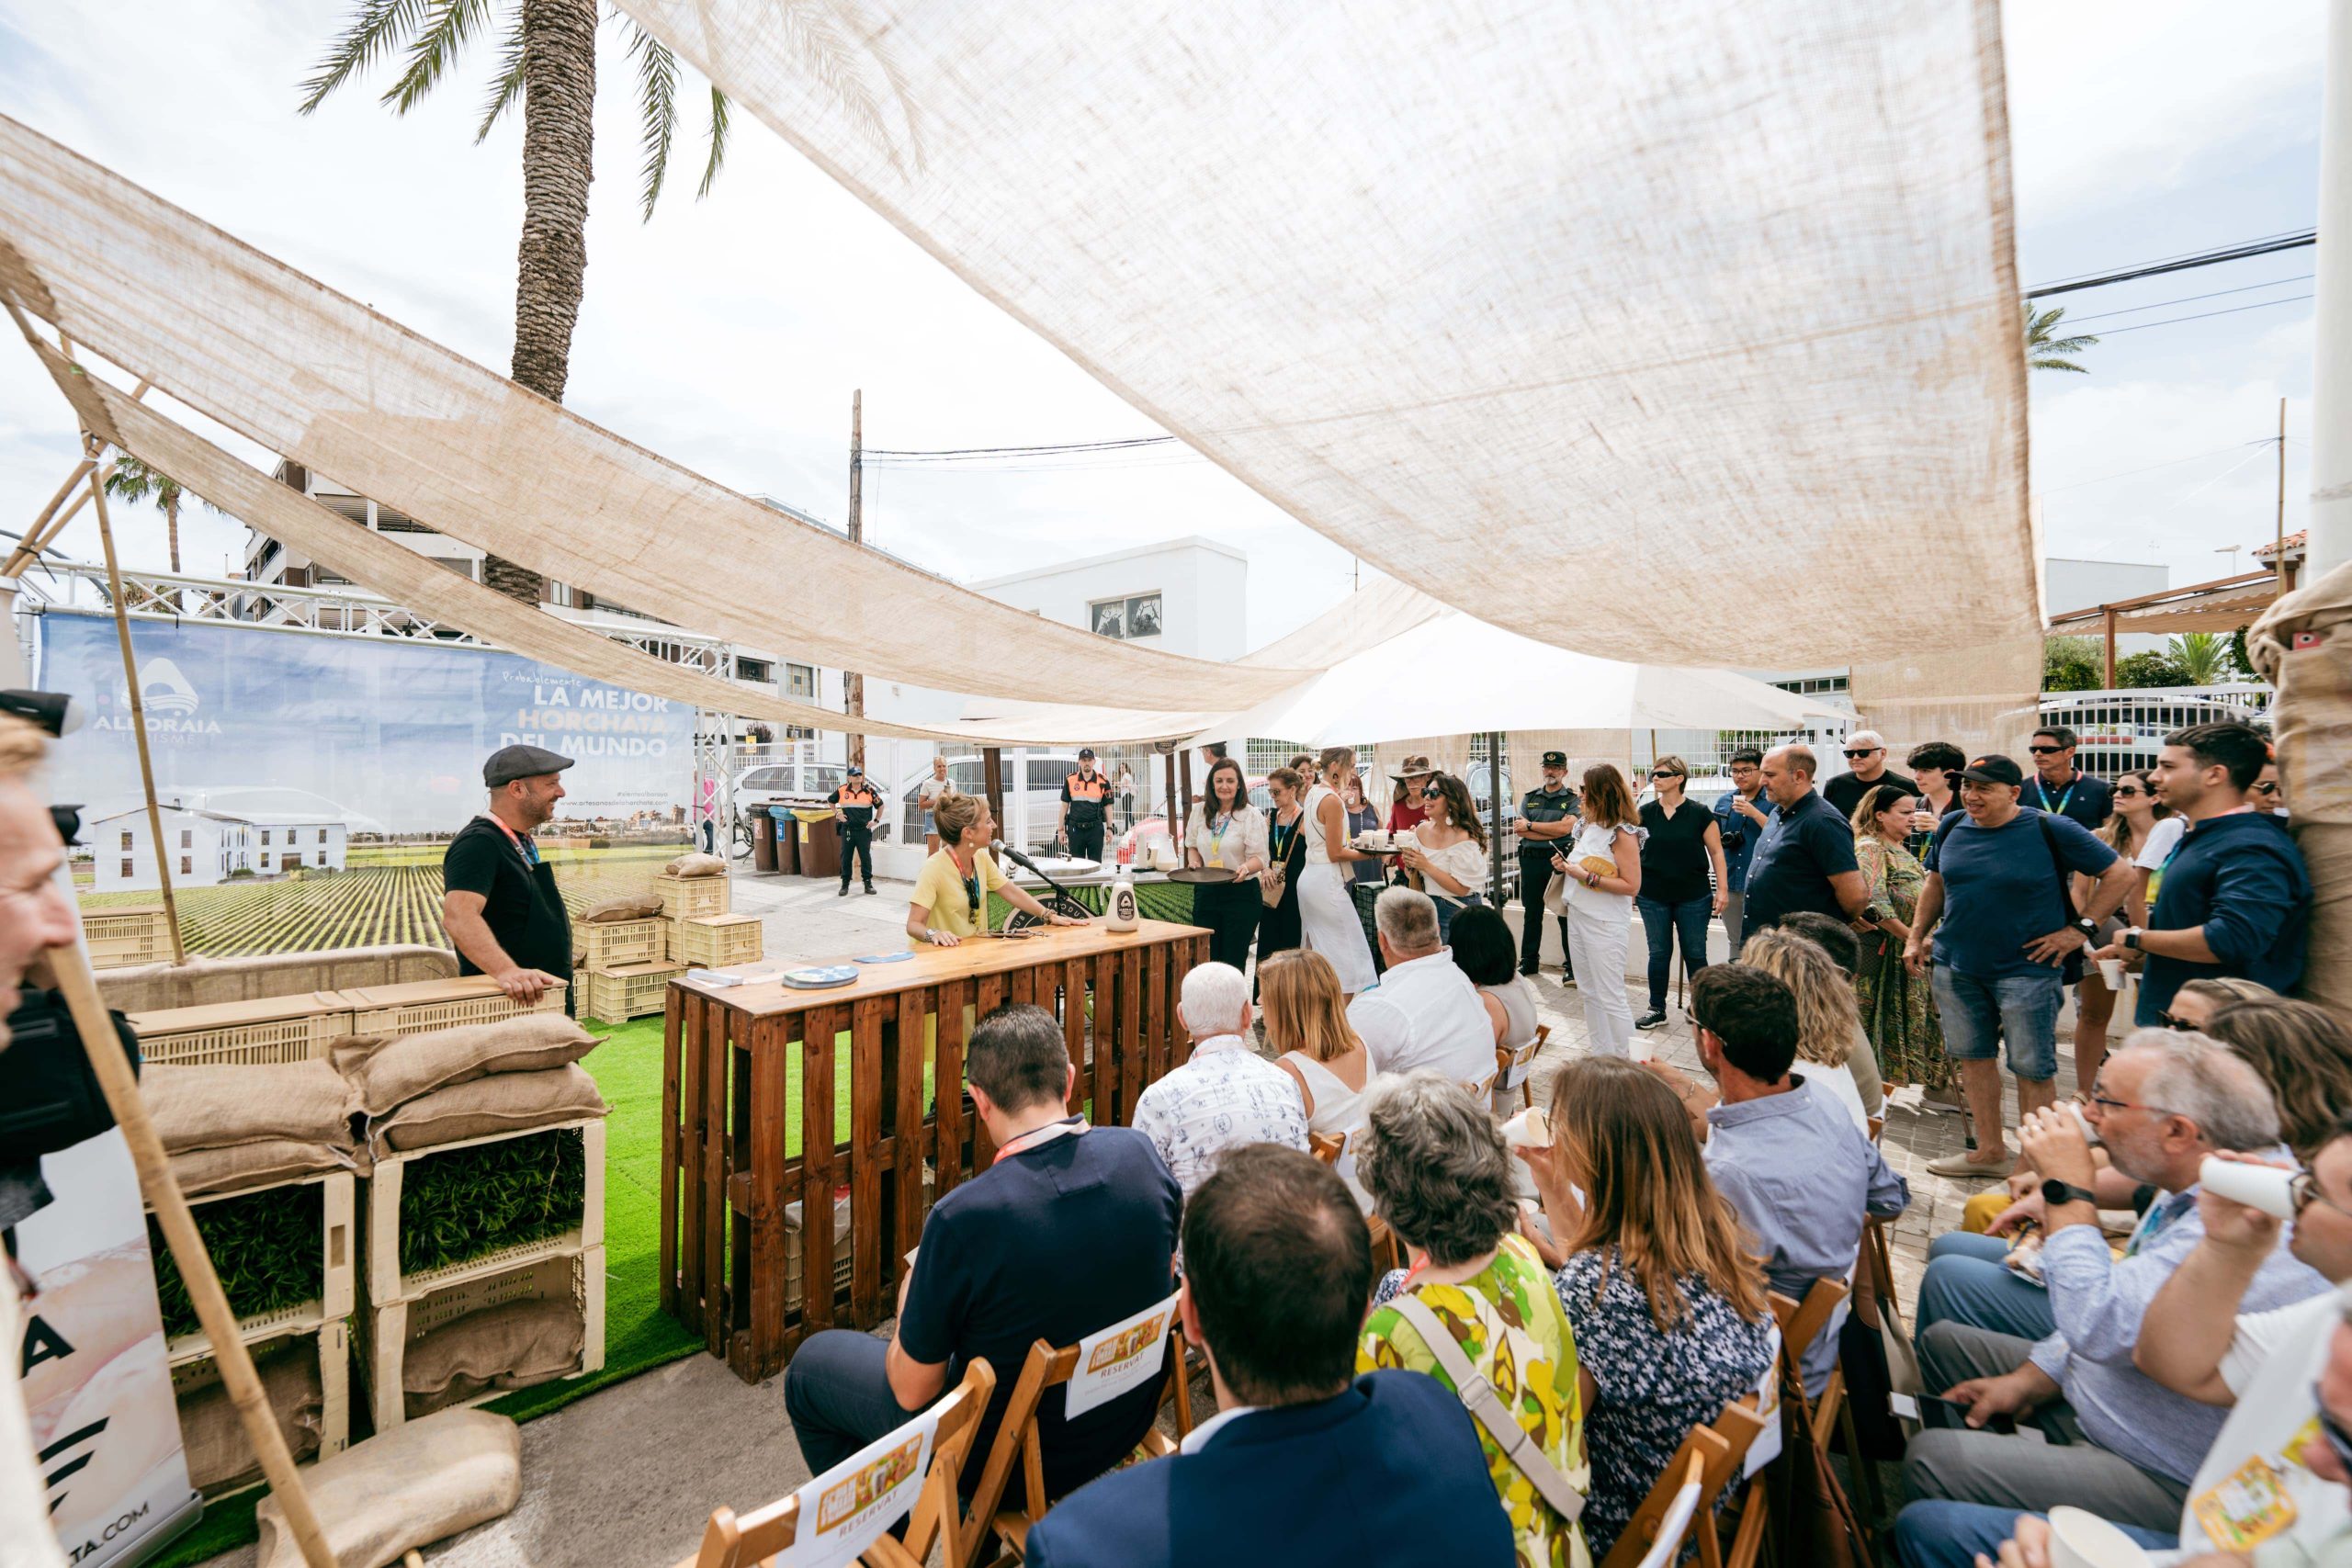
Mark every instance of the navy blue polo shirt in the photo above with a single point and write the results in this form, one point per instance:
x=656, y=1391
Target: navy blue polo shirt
x=1802, y=848
x=2006, y=885
x=1051, y=1243
x=2086, y=800
x=2243, y=879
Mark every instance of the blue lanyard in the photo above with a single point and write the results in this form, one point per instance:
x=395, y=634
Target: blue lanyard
x=2041, y=792
x=527, y=847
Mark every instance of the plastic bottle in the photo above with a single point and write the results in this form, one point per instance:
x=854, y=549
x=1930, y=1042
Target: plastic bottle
x=1120, y=914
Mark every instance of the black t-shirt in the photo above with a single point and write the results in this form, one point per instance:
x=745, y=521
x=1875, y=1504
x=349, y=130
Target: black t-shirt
x=1674, y=856
x=1049, y=1243
x=481, y=859
x=1845, y=792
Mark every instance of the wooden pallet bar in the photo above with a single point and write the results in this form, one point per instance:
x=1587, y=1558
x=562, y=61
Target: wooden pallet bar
x=732, y=1161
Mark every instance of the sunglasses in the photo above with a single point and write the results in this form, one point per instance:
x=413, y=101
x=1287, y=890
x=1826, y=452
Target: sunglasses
x=1666, y=775
x=2045, y=751
x=2133, y=793
x=1865, y=751
x=2266, y=789
x=1432, y=795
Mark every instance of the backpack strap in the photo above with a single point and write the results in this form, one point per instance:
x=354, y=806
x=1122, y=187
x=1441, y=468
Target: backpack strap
x=1487, y=1407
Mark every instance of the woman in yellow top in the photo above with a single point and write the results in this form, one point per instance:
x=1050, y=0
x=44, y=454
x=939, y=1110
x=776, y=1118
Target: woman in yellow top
x=1434, y=1162
x=952, y=892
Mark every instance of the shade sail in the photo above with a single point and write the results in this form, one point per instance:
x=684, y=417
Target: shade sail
x=318, y=377
x=1618, y=324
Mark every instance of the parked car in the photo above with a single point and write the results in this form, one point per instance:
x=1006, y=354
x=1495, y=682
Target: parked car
x=1047, y=769
x=801, y=783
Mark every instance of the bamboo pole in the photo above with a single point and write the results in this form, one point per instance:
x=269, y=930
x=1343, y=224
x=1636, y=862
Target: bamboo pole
x=138, y=721
x=35, y=540
x=71, y=969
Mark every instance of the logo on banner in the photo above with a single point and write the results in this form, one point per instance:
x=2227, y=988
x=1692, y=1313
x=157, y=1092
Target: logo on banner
x=169, y=698
x=874, y=1481
x=1125, y=1356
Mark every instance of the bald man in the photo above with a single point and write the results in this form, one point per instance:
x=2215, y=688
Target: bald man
x=1805, y=857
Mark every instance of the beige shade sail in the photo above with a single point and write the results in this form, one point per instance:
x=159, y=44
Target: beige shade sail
x=1628, y=325
x=319, y=378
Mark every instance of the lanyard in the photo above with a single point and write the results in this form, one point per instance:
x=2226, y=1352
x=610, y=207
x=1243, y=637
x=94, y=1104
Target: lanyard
x=526, y=848
x=1039, y=1136
x=2041, y=792
x=1216, y=837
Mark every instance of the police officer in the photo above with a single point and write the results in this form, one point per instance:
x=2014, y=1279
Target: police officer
x=1086, y=808
x=1547, y=820
x=854, y=804
x=500, y=905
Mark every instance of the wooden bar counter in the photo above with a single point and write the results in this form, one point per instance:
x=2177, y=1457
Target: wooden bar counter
x=726, y=1180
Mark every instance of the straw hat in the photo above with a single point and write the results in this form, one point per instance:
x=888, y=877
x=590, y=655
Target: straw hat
x=1413, y=766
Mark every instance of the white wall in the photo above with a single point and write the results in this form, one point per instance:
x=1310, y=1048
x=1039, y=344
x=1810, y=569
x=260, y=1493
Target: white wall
x=2070, y=584
x=1203, y=587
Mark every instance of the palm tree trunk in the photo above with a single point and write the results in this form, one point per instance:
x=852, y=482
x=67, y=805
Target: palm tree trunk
x=558, y=129
x=172, y=529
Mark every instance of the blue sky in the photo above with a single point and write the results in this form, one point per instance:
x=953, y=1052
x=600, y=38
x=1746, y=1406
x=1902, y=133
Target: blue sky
x=728, y=333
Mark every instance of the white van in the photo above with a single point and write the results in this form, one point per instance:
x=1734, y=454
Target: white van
x=1048, y=772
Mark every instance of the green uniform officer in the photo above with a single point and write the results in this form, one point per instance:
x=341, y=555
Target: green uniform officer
x=1086, y=808
x=500, y=905
x=1547, y=820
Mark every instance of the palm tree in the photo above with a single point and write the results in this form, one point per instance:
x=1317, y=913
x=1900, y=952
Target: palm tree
x=546, y=57
x=2044, y=352
x=130, y=480
x=2204, y=658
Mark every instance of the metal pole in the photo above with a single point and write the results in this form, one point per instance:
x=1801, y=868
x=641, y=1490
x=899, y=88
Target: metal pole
x=2330, y=533
x=137, y=712
x=853, y=682
x=1502, y=815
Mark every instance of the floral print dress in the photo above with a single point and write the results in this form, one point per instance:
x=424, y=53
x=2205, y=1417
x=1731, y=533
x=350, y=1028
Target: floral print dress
x=1898, y=1007
x=1508, y=1323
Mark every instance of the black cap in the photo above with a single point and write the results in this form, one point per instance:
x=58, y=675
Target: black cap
x=1992, y=768
x=1086, y=753
x=855, y=771
x=511, y=762
x=1555, y=759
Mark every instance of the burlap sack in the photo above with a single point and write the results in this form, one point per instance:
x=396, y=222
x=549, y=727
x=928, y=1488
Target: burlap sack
x=218, y=1455
x=217, y=1107
x=643, y=907
x=504, y=1102
x=512, y=1346
x=697, y=865
x=2304, y=643
x=414, y=1485
x=239, y=1165
x=385, y=1071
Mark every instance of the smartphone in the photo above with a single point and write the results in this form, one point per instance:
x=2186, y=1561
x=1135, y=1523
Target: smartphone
x=1930, y=1410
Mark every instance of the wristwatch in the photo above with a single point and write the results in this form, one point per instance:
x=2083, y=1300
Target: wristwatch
x=2085, y=925
x=2132, y=936
x=2055, y=1193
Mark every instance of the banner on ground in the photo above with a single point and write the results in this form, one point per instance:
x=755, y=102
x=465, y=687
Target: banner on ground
x=386, y=735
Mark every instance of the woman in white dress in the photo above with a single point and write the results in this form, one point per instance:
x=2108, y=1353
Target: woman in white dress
x=1306, y=1021
x=1448, y=851
x=1600, y=909
x=1327, y=912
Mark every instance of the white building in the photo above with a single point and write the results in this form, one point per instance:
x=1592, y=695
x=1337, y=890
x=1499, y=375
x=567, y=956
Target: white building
x=209, y=847
x=2068, y=585
x=1182, y=596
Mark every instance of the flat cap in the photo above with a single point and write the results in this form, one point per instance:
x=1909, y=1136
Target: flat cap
x=511, y=762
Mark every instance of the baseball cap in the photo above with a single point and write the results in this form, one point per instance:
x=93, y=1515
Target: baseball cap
x=1086, y=753
x=855, y=771
x=1555, y=759
x=1994, y=768
x=511, y=762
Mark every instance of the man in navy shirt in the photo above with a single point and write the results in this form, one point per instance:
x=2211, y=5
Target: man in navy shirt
x=1804, y=859
x=1998, y=875
x=2056, y=787
x=1072, y=1229
x=1303, y=1462
x=2235, y=898
x=1741, y=815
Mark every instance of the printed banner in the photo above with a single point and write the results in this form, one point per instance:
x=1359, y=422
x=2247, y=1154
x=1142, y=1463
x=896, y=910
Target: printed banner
x=1127, y=1355
x=384, y=735
x=96, y=1381
x=844, y=1510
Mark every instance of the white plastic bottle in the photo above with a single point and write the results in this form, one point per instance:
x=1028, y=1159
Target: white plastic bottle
x=1120, y=914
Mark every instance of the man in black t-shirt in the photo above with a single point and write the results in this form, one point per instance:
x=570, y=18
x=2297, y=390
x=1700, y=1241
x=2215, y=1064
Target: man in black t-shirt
x=1072, y=1229
x=499, y=903
x=1805, y=857
x=1866, y=768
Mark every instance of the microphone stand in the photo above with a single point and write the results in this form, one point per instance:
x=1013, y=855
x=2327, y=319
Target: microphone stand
x=1032, y=867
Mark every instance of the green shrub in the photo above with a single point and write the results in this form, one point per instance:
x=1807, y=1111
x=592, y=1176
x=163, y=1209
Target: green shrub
x=266, y=1246
x=461, y=1204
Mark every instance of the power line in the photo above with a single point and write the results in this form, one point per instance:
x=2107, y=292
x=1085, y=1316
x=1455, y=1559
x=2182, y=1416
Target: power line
x=2190, y=299
x=2179, y=255
x=2202, y=258
x=2152, y=468
x=2201, y=315
x=949, y=453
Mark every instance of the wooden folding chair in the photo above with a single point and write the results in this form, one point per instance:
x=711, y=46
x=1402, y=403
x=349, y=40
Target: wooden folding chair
x=1507, y=1060
x=1387, y=1252
x=1714, y=1453
x=1812, y=1418
x=742, y=1541
x=1327, y=1146
x=1018, y=1440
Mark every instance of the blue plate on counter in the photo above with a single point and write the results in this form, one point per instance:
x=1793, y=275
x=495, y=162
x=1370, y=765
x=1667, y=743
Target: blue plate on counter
x=818, y=978
x=885, y=958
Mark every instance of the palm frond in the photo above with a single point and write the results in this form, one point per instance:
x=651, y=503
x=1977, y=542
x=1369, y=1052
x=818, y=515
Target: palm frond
x=508, y=86
x=134, y=480
x=2066, y=345
x=376, y=25
x=657, y=109
x=829, y=57
x=2044, y=352
x=2057, y=364
x=717, y=143
x=435, y=49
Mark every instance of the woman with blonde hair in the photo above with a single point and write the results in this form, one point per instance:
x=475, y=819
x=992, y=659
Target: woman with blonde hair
x=1602, y=871
x=1286, y=829
x=1328, y=922
x=1832, y=1053
x=1668, y=1307
x=951, y=897
x=1306, y=1021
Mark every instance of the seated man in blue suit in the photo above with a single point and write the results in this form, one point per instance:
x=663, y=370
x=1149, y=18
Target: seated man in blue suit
x=1302, y=1463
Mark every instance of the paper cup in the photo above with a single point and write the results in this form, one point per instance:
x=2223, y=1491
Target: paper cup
x=2090, y=1134
x=2111, y=971
x=1528, y=1129
x=2262, y=1186
x=2079, y=1538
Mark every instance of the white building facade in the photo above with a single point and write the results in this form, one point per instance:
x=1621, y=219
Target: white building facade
x=207, y=848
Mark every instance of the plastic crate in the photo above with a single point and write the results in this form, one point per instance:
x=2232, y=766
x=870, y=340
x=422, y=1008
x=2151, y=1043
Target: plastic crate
x=794, y=1248
x=714, y=941
x=610, y=943
x=387, y=1330
x=338, y=1270
x=684, y=898
x=630, y=991
x=380, y=1229
x=423, y=1005
x=274, y=1029
x=332, y=1343
x=122, y=937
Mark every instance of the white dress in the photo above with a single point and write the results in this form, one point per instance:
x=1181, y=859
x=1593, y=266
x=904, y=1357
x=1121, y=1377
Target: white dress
x=1599, y=929
x=1328, y=922
x=1338, y=1112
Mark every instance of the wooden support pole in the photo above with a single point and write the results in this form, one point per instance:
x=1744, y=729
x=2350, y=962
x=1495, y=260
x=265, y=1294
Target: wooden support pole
x=1502, y=819
x=992, y=785
x=1184, y=809
x=72, y=968
x=1168, y=803
x=49, y=523
x=2107, y=657
x=139, y=723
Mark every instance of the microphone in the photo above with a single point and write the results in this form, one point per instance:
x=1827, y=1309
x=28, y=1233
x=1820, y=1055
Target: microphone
x=1000, y=848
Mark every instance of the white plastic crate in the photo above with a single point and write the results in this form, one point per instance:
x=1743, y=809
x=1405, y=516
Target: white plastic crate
x=273, y=1029
x=122, y=936
x=423, y=1005
x=607, y=943
x=337, y=1273
x=633, y=990
x=388, y=1330
x=332, y=1343
x=387, y=1283
x=715, y=942
x=684, y=897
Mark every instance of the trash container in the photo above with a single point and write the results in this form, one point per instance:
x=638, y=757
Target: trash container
x=788, y=839
x=762, y=841
x=820, y=843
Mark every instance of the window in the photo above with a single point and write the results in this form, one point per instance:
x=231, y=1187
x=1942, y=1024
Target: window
x=188, y=839
x=1135, y=615
x=322, y=857
x=322, y=835
x=761, y=670
x=264, y=860
x=264, y=838
x=126, y=838
x=801, y=681
x=126, y=866
x=187, y=865
x=560, y=595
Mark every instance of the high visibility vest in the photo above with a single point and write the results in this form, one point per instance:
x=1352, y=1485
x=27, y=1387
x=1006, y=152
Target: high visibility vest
x=1095, y=790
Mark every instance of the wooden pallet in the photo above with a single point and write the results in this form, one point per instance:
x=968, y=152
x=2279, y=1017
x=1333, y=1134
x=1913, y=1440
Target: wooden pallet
x=714, y=941
x=333, y=1339
x=633, y=990
x=608, y=944
x=421, y=1005
x=388, y=1330
x=684, y=898
x=381, y=1224
x=338, y=1271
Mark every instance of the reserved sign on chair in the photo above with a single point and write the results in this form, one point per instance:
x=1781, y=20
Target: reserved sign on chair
x=1127, y=1355
x=844, y=1510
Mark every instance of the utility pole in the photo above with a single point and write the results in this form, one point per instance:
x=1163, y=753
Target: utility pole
x=853, y=683
x=2279, y=545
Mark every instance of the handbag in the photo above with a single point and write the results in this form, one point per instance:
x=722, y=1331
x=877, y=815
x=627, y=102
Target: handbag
x=1275, y=880
x=1487, y=1407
